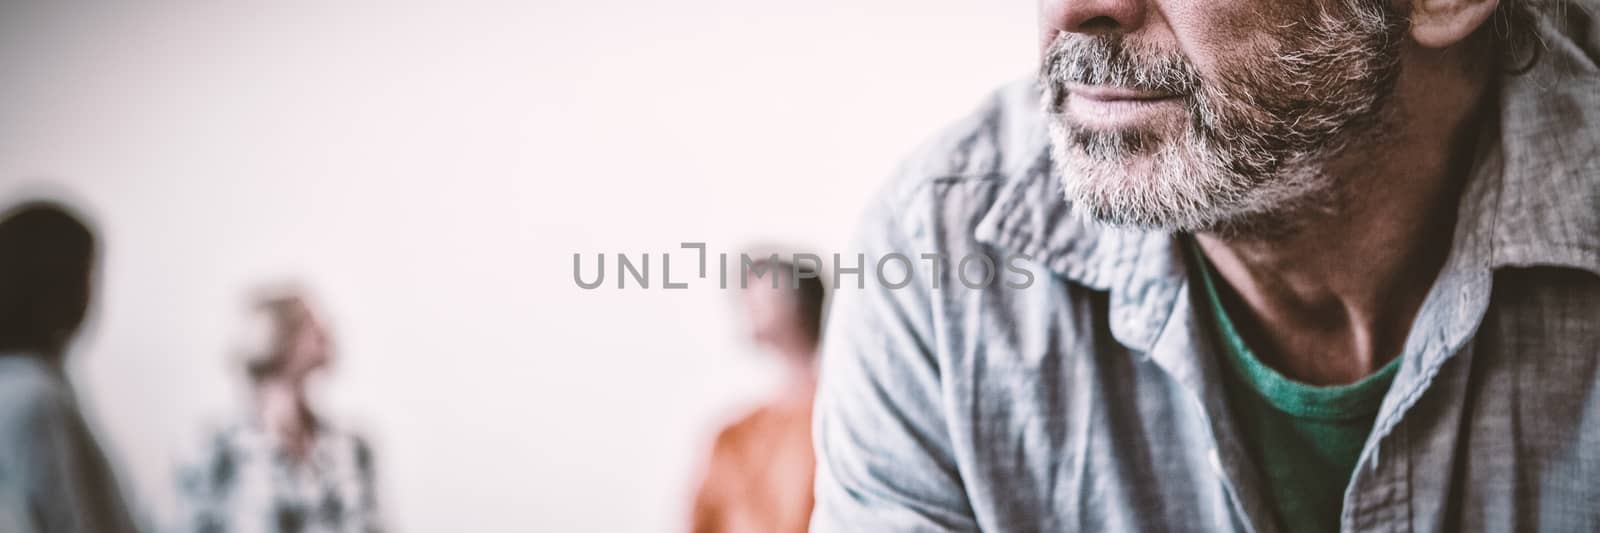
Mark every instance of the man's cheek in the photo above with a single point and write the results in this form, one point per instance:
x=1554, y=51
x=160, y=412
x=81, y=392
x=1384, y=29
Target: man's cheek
x=1211, y=32
x=1050, y=12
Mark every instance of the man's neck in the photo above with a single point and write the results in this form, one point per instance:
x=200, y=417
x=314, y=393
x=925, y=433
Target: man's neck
x=1333, y=301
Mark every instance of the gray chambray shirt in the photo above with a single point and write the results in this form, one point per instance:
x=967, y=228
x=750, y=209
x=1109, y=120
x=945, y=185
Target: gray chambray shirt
x=1091, y=400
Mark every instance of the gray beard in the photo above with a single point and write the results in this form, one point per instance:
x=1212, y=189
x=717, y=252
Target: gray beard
x=1254, y=157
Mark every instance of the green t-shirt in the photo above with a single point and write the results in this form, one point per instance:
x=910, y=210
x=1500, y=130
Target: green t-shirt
x=1305, y=438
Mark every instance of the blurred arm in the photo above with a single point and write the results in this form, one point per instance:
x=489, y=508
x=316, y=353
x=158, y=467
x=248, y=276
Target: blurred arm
x=710, y=506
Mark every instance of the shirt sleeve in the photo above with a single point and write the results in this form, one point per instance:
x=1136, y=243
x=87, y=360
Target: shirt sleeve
x=13, y=503
x=203, y=485
x=367, y=518
x=885, y=461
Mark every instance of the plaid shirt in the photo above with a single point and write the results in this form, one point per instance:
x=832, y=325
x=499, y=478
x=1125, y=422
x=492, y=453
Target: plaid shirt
x=245, y=482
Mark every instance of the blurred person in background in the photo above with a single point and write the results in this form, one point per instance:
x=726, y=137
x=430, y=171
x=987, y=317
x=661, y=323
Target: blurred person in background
x=54, y=478
x=760, y=474
x=282, y=468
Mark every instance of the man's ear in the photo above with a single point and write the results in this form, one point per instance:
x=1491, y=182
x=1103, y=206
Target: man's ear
x=1441, y=23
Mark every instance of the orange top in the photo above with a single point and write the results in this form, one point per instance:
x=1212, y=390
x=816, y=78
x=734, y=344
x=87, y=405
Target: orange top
x=759, y=479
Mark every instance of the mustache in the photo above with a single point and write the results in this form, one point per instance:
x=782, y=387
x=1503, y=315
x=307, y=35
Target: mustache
x=1111, y=61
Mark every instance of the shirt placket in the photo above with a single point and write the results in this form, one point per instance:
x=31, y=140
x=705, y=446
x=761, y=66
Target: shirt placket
x=1183, y=350
x=1379, y=498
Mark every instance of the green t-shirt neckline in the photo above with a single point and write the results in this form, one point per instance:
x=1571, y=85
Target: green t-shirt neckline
x=1306, y=439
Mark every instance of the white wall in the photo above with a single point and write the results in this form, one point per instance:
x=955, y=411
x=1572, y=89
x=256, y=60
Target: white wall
x=431, y=171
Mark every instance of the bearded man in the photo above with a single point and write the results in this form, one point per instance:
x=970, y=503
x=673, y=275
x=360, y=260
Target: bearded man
x=1305, y=265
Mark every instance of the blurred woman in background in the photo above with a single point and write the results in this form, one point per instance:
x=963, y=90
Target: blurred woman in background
x=760, y=474
x=283, y=468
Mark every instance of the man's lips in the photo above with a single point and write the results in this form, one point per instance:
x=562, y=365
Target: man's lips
x=1107, y=107
x=1111, y=93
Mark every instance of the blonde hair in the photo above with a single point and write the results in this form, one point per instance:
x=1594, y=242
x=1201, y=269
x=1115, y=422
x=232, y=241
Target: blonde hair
x=273, y=315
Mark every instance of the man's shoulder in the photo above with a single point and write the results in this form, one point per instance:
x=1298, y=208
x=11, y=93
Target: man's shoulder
x=31, y=395
x=965, y=161
x=29, y=386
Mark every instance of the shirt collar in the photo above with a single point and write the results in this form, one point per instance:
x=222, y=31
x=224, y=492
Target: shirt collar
x=1537, y=202
x=1031, y=217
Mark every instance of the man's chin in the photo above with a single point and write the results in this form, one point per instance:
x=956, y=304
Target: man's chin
x=1145, y=191
x=1152, y=201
